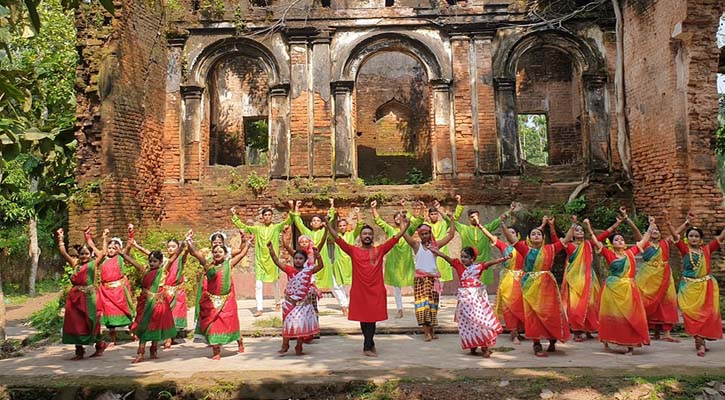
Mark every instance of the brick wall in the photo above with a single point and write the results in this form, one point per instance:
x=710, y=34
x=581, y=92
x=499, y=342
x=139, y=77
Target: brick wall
x=546, y=84
x=121, y=83
x=671, y=60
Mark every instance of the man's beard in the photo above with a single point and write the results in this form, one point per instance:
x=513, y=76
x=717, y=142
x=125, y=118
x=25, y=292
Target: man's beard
x=367, y=241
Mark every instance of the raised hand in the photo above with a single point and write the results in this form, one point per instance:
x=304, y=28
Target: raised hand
x=513, y=206
x=458, y=198
x=291, y=204
x=332, y=202
x=60, y=234
x=374, y=204
x=551, y=221
x=298, y=204
x=269, y=245
x=623, y=210
x=436, y=204
x=586, y=223
x=131, y=232
x=189, y=235
x=106, y=232
x=233, y=210
x=690, y=217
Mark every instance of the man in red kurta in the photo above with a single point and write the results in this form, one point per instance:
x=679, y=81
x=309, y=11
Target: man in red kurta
x=368, y=302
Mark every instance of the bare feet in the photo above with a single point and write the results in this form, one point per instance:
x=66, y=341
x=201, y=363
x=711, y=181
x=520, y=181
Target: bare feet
x=486, y=352
x=473, y=351
x=629, y=352
x=399, y=315
x=515, y=338
x=344, y=311
x=258, y=313
x=552, y=347
x=370, y=353
x=298, y=350
x=139, y=358
x=668, y=338
x=277, y=308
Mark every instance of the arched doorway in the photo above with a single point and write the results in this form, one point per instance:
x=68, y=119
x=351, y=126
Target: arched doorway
x=392, y=115
x=238, y=118
x=548, y=106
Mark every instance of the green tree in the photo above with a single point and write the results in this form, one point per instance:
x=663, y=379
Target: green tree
x=533, y=138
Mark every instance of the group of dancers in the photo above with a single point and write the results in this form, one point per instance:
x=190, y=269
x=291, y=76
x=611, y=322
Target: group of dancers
x=620, y=309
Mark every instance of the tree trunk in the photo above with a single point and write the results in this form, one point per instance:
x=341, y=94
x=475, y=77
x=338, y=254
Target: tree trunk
x=3, y=318
x=34, y=250
x=623, y=145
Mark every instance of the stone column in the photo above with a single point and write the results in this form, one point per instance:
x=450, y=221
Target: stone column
x=344, y=165
x=484, y=100
x=508, y=136
x=442, y=142
x=597, y=122
x=279, y=132
x=191, y=116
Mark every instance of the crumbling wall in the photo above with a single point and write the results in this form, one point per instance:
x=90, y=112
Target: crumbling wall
x=671, y=60
x=121, y=87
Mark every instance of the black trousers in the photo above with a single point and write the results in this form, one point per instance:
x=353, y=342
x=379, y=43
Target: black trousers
x=368, y=330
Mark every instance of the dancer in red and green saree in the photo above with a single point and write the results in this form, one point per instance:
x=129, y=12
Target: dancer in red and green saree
x=265, y=271
x=655, y=284
x=218, y=321
x=544, y=318
x=342, y=265
x=699, y=294
x=81, y=321
x=622, y=319
x=299, y=319
x=154, y=321
x=114, y=292
x=509, y=299
x=471, y=235
x=477, y=323
x=173, y=285
x=399, y=271
x=580, y=286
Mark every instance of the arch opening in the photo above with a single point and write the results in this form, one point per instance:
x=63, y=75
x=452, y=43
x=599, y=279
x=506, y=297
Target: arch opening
x=392, y=108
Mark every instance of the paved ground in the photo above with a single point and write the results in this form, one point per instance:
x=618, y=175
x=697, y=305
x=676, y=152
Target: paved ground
x=341, y=355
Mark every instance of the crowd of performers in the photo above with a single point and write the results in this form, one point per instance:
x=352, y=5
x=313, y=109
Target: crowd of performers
x=620, y=309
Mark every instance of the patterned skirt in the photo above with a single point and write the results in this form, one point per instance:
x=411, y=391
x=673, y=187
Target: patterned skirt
x=477, y=324
x=426, y=301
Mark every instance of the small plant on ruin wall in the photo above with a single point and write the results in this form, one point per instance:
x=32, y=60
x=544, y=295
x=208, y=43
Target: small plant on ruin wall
x=414, y=176
x=212, y=8
x=256, y=183
x=240, y=23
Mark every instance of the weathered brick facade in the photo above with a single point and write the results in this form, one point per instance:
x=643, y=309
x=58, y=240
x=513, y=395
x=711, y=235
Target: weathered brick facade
x=155, y=88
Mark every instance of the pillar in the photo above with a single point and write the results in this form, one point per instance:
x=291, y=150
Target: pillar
x=597, y=122
x=279, y=132
x=344, y=165
x=510, y=159
x=191, y=114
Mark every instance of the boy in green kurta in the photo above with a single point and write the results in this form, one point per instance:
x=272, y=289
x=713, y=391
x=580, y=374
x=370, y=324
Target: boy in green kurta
x=399, y=267
x=264, y=269
x=473, y=236
x=439, y=226
x=325, y=279
x=342, y=264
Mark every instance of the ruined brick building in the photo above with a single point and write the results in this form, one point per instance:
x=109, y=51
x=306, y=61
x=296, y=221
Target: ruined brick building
x=174, y=97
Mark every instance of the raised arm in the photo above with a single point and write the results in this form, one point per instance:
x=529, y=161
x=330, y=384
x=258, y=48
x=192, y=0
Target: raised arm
x=642, y=242
x=287, y=240
x=91, y=244
x=491, y=263
x=141, y=248
x=595, y=241
x=451, y=233
x=569, y=237
x=126, y=255
x=275, y=259
x=318, y=261
x=331, y=227
x=239, y=224
x=179, y=251
x=61, y=246
x=488, y=234
x=197, y=254
x=438, y=253
x=506, y=233
x=244, y=248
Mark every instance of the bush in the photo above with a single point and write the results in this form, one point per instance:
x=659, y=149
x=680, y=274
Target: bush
x=48, y=320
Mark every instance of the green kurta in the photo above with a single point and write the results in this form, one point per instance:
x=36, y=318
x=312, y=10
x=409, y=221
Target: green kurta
x=474, y=237
x=264, y=268
x=399, y=268
x=323, y=279
x=343, y=264
x=440, y=230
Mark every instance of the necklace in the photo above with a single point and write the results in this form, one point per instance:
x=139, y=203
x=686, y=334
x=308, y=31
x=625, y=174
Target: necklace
x=699, y=257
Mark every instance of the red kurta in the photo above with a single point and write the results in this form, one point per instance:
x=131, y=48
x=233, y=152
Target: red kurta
x=368, y=302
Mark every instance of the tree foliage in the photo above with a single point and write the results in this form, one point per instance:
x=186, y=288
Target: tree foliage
x=533, y=138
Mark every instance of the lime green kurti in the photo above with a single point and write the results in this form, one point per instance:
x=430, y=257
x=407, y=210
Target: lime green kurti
x=440, y=230
x=323, y=279
x=474, y=237
x=342, y=267
x=264, y=268
x=399, y=268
